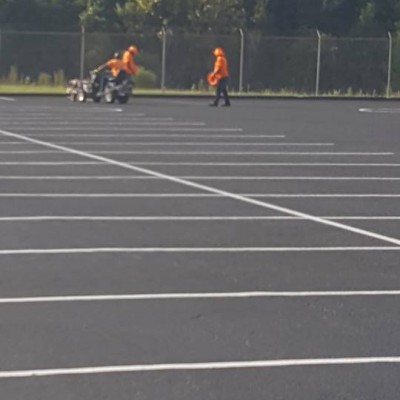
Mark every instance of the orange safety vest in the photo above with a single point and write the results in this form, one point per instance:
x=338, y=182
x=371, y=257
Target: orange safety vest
x=130, y=66
x=115, y=65
x=221, y=67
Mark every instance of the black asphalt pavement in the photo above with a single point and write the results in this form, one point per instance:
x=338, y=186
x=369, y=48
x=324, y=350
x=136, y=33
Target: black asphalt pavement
x=266, y=232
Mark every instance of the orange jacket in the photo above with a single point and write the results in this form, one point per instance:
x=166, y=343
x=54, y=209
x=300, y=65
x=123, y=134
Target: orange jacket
x=221, y=64
x=130, y=66
x=115, y=65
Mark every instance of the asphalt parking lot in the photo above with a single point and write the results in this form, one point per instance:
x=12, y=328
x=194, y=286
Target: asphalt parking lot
x=167, y=250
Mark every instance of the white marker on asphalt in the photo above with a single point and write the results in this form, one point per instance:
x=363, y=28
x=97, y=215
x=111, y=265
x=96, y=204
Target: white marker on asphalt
x=213, y=190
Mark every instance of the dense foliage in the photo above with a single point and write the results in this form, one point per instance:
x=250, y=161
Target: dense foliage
x=273, y=17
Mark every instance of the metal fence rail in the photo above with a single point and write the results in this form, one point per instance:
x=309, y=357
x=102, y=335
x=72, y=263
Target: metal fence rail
x=310, y=65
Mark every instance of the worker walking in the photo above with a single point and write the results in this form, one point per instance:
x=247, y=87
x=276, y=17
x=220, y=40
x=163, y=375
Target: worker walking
x=221, y=73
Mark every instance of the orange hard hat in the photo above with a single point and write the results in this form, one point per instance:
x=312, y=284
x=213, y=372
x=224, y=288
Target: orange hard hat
x=133, y=49
x=218, y=52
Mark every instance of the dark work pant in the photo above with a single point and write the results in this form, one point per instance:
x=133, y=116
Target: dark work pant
x=222, y=90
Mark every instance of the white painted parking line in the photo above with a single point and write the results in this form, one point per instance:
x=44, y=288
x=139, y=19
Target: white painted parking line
x=155, y=135
x=63, y=121
x=198, y=296
x=24, y=111
x=262, y=164
x=177, y=144
x=221, y=153
x=135, y=129
x=212, y=190
x=110, y=128
x=178, y=218
x=206, y=164
x=114, y=369
x=199, y=178
x=7, y=98
x=48, y=116
x=250, y=196
x=127, y=250
x=47, y=163
x=380, y=110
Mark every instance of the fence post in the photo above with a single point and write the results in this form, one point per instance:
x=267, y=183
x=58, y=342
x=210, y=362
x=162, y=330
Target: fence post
x=318, y=64
x=163, y=57
x=1, y=50
x=83, y=51
x=389, y=75
x=241, y=60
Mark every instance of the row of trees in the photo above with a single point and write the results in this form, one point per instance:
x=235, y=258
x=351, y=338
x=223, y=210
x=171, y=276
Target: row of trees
x=271, y=17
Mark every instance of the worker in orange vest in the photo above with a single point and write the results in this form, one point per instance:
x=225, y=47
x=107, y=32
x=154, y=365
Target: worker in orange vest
x=128, y=59
x=221, y=73
x=117, y=68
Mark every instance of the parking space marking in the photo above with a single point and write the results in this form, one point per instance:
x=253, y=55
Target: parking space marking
x=155, y=135
x=64, y=163
x=249, y=196
x=211, y=190
x=132, y=124
x=127, y=250
x=104, y=121
x=127, y=218
x=177, y=144
x=200, y=178
x=198, y=296
x=7, y=98
x=220, y=153
x=380, y=110
x=135, y=128
x=36, y=373
x=206, y=164
x=262, y=164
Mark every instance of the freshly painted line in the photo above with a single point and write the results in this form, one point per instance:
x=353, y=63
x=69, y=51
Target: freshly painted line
x=190, y=144
x=155, y=135
x=63, y=163
x=127, y=218
x=282, y=363
x=10, y=143
x=54, y=117
x=250, y=196
x=109, y=128
x=294, y=178
x=264, y=164
x=207, y=178
x=197, y=296
x=50, y=110
x=380, y=110
x=79, y=178
x=90, y=151
x=112, y=250
x=212, y=190
x=211, y=164
x=239, y=153
x=104, y=121
x=140, y=129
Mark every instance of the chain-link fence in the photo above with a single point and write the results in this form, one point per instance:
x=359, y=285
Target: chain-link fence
x=308, y=65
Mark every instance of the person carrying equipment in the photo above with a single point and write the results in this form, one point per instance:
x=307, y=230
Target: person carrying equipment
x=220, y=74
x=117, y=68
x=128, y=60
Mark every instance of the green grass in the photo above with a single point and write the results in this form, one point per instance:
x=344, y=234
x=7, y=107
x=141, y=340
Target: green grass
x=36, y=89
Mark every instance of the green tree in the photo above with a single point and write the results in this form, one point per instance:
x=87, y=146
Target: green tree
x=41, y=15
x=102, y=15
x=220, y=16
